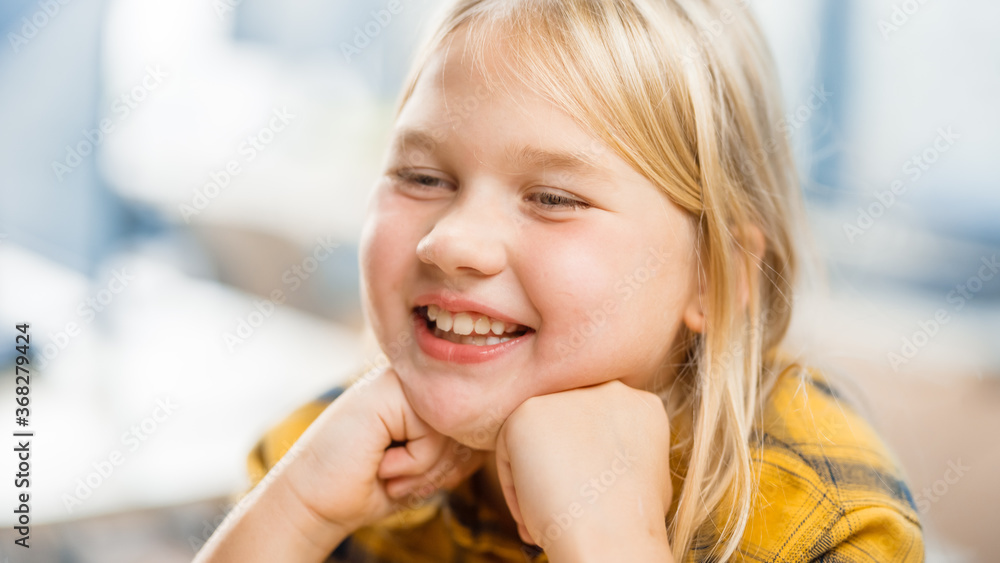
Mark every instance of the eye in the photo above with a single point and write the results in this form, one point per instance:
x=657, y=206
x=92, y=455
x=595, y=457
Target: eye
x=549, y=200
x=420, y=185
x=420, y=179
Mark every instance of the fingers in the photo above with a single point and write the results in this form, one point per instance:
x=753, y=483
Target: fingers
x=453, y=467
x=525, y=534
x=467, y=465
x=422, y=445
x=415, y=458
x=402, y=486
x=509, y=493
x=506, y=477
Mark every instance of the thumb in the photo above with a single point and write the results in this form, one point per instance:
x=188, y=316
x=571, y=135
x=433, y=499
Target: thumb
x=410, y=445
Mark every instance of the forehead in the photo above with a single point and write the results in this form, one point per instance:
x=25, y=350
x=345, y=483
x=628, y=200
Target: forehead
x=479, y=102
x=464, y=81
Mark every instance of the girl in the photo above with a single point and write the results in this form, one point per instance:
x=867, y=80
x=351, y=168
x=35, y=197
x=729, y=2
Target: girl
x=579, y=262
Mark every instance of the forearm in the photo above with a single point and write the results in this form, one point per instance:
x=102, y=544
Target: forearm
x=643, y=551
x=272, y=524
x=640, y=545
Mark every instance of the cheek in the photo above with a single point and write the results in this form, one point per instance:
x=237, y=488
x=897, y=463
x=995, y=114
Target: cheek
x=387, y=252
x=572, y=284
x=568, y=281
x=569, y=275
x=376, y=251
x=608, y=314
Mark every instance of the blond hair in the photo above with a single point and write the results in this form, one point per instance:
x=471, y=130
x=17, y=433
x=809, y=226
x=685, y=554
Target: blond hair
x=684, y=91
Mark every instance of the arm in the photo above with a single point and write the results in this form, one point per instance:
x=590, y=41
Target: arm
x=272, y=524
x=630, y=542
x=364, y=453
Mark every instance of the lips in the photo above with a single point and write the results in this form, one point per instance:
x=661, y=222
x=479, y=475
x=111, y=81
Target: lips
x=465, y=336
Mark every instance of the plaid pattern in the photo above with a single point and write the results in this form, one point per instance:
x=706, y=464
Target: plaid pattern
x=829, y=491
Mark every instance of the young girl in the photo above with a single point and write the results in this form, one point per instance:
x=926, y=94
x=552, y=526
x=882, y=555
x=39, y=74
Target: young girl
x=579, y=262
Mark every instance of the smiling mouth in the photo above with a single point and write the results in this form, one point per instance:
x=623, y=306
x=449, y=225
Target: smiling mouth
x=469, y=328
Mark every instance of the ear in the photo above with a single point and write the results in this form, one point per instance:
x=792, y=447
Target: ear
x=694, y=313
x=750, y=247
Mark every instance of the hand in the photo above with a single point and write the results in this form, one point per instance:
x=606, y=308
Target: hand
x=587, y=471
x=344, y=470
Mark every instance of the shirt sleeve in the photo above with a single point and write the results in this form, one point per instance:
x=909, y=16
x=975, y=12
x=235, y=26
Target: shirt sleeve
x=276, y=442
x=872, y=534
x=379, y=543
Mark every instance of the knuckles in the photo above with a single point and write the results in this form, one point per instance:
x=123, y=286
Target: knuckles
x=589, y=406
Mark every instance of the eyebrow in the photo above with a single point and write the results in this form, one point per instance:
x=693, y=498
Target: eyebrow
x=419, y=138
x=521, y=156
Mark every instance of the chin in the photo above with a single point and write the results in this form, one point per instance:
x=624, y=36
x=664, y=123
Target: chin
x=467, y=415
x=474, y=436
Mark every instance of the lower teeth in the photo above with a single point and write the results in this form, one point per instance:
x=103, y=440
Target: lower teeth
x=473, y=339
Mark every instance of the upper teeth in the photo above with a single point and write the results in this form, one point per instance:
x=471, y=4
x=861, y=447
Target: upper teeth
x=465, y=324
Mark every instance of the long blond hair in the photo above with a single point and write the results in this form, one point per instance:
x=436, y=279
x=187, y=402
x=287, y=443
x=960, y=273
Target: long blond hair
x=685, y=91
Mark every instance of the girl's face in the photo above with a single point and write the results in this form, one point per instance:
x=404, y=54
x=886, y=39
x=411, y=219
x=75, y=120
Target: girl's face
x=500, y=214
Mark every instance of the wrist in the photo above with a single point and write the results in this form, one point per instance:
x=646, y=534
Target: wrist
x=595, y=548
x=611, y=539
x=303, y=520
x=271, y=524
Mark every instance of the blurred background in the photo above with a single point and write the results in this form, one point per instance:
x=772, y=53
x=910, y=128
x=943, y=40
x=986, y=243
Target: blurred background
x=182, y=184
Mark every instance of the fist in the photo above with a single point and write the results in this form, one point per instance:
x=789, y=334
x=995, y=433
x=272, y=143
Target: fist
x=587, y=465
x=368, y=455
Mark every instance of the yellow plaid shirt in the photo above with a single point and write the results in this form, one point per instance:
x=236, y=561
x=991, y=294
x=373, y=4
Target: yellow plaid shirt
x=829, y=491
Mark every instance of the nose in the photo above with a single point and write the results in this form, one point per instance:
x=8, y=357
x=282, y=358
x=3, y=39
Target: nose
x=467, y=238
